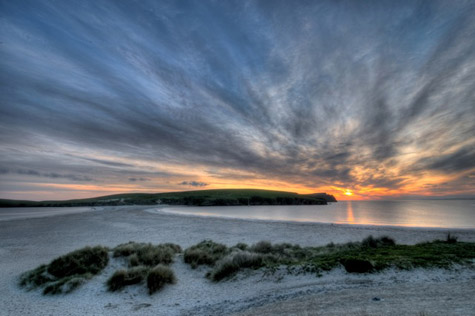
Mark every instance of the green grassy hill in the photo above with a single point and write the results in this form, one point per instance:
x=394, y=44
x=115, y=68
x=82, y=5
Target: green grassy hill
x=196, y=198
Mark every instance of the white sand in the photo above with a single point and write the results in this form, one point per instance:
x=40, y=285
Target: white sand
x=26, y=243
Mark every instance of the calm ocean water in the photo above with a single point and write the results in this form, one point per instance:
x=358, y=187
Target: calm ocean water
x=414, y=213
x=32, y=212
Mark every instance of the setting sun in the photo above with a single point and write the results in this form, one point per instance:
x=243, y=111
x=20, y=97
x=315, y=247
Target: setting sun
x=348, y=192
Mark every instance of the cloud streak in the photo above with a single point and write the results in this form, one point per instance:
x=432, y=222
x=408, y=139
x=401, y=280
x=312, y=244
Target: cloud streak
x=193, y=183
x=51, y=175
x=303, y=95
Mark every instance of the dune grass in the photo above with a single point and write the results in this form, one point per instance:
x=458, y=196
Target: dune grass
x=368, y=256
x=435, y=254
x=66, y=273
x=234, y=262
x=145, y=262
x=145, y=254
x=206, y=252
x=122, y=278
x=158, y=277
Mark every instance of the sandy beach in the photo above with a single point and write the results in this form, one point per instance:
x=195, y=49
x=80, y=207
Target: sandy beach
x=27, y=243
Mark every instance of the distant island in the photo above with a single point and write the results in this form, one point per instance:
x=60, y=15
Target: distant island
x=224, y=197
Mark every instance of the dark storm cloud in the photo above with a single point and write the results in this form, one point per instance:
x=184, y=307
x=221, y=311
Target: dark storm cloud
x=295, y=90
x=193, y=183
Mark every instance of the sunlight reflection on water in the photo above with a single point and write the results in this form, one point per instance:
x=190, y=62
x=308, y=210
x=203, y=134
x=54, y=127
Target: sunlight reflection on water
x=414, y=213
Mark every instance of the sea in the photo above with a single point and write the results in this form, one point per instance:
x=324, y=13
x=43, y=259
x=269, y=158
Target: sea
x=12, y=213
x=408, y=213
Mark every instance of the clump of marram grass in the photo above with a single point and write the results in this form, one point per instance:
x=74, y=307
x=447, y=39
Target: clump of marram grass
x=240, y=246
x=67, y=284
x=147, y=254
x=206, y=252
x=146, y=262
x=36, y=277
x=372, y=242
x=86, y=260
x=235, y=261
x=262, y=247
x=66, y=273
x=122, y=278
x=158, y=277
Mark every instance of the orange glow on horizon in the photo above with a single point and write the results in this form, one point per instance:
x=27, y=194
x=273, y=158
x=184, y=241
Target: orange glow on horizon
x=421, y=183
x=341, y=194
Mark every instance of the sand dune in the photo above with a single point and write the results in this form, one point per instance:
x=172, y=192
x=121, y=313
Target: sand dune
x=26, y=243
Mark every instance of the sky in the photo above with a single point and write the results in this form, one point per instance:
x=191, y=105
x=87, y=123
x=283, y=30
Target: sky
x=360, y=99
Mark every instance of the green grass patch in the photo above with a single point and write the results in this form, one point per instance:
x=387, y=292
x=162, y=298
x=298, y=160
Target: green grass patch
x=196, y=198
x=368, y=256
x=66, y=273
x=436, y=254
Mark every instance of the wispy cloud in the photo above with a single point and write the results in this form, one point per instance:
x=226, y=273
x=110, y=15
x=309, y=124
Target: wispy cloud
x=193, y=183
x=51, y=175
x=138, y=179
x=307, y=94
